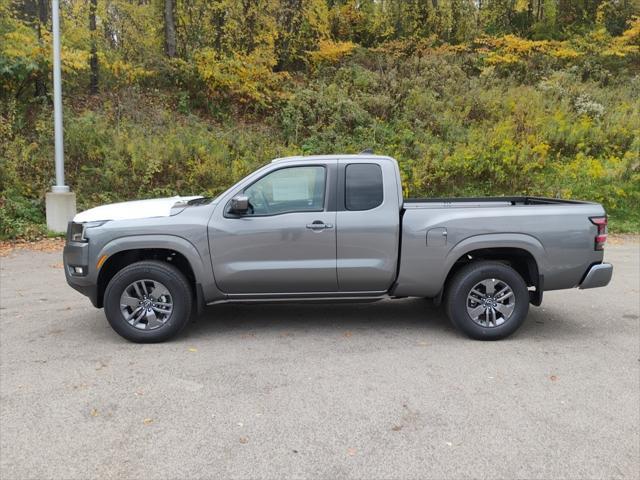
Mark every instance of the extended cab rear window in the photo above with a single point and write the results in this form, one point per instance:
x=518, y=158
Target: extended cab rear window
x=363, y=186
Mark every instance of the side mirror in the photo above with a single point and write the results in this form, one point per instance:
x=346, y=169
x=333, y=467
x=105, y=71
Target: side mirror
x=239, y=204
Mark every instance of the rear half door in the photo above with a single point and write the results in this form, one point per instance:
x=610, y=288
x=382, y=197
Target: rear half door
x=368, y=221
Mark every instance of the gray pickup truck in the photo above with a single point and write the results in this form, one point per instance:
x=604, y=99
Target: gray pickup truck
x=331, y=228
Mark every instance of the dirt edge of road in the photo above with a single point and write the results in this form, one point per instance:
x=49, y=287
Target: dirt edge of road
x=42, y=245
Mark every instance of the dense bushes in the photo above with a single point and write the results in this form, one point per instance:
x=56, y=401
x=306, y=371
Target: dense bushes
x=465, y=120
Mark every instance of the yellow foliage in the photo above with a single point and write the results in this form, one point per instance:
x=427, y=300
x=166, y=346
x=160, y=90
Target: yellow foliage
x=631, y=36
x=245, y=78
x=511, y=49
x=447, y=48
x=520, y=46
x=23, y=44
x=125, y=72
x=564, y=52
x=331, y=51
x=627, y=43
x=494, y=58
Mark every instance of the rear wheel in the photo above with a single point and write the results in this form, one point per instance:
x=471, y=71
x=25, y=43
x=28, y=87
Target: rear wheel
x=487, y=300
x=148, y=301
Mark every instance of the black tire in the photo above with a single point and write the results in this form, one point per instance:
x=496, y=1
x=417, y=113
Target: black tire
x=467, y=278
x=169, y=276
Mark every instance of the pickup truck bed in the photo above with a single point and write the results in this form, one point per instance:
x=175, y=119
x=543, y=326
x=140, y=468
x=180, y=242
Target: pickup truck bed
x=489, y=201
x=548, y=234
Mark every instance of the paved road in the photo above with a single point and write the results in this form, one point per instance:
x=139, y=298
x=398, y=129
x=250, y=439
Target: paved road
x=383, y=390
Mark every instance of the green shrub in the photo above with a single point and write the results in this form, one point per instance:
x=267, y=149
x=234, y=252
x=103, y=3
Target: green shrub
x=457, y=127
x=20, y=217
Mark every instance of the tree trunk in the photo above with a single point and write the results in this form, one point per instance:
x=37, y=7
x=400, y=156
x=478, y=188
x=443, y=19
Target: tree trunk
x=169, y=28
x=289, y=21
x=540, y=10
x=43, y=17
x=93, y=60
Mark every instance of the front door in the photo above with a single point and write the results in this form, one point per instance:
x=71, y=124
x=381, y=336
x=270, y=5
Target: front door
x=286, y=242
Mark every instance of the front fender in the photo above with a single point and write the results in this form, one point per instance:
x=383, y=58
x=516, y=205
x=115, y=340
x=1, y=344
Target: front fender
x=203, y=275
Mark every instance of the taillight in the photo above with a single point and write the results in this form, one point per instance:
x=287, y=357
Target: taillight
x=601, y=237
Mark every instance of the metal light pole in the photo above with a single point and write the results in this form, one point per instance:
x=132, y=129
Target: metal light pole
x=60, y=202
x=59, y=187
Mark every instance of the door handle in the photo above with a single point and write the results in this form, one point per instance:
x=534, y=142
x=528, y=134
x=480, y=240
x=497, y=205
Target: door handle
x=319, y=225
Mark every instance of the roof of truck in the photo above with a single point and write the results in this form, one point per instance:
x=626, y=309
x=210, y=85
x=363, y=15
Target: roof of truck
x=367, y=156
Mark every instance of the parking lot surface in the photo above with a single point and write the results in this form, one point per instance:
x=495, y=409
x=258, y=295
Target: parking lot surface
x=379, y=390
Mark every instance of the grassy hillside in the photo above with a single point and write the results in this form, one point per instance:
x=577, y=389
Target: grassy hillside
x=494, y=116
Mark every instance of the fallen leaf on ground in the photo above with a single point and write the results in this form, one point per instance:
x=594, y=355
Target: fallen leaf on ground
x=94, y=412
x=352, y=451
x=553, y=378
x=191, y=349
x=244, y=440
x=147, y=421
x=397, y=428
x=42, y=245
x=56, y=265
x=348, y=334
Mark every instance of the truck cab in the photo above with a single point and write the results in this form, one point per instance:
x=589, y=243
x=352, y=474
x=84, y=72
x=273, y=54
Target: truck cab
x=310, y=227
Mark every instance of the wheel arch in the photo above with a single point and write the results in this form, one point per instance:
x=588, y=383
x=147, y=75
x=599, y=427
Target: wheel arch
x=174, y=250
x=523, y=253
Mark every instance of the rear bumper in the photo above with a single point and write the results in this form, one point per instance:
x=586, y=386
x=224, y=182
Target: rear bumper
x=597, y=276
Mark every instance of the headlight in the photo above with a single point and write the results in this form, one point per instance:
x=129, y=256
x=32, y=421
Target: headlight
x=78, y=230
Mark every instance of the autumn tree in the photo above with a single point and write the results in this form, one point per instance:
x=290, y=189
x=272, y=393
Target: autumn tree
x=301, y=24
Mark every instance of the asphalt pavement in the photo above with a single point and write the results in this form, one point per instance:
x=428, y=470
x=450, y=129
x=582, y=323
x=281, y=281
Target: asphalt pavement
x=372, y=391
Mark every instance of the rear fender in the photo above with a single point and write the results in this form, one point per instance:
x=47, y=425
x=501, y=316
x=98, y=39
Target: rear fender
x=519, y=241
x=497, y=240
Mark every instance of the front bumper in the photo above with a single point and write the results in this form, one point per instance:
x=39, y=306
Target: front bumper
x=76, y=254
x=597, y=276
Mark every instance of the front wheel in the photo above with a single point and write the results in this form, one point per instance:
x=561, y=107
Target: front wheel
x=487, y=300
x=148, y=301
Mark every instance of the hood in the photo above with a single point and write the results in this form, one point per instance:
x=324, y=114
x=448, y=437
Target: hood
x=157, y=207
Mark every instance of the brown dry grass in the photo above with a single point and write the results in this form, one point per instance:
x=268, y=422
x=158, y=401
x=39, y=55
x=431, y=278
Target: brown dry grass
x=43, y=245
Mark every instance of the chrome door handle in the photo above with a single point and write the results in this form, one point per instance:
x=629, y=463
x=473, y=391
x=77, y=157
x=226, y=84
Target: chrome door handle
x=318, y=225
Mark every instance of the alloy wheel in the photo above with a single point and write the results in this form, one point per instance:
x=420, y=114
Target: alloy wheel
x=146, y=304
x=490, y=302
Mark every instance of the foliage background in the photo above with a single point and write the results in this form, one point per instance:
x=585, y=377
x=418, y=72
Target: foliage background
x=492, y=97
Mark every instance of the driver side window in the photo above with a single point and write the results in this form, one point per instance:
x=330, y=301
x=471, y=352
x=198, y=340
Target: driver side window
x=293, y=189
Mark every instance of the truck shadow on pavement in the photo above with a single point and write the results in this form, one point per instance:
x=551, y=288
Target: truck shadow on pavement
x=413, y=315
